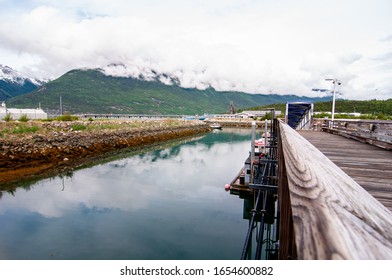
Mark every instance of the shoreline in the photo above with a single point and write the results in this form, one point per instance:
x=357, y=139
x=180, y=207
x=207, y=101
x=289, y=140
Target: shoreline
x=236, y=122
x=59, y=146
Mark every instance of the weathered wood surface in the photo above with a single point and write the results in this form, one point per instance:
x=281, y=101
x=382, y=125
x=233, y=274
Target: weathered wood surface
x=333, y=216
x=369, y=166
x=287, y=246
x=374, y=132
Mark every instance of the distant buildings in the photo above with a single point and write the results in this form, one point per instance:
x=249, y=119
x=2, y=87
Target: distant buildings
x=248, y=114
x=256, y=114
x=354, y=114
x=15, y=114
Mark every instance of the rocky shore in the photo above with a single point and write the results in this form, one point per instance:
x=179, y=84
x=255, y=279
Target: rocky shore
x=41, y=147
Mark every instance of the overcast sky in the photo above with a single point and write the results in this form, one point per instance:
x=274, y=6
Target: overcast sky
x=257, y=46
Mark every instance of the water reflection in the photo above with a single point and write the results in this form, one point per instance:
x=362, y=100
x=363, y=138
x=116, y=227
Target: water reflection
x=164, y=204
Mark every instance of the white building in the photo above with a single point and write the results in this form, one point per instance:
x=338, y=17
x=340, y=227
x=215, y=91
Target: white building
x=256, y=114
x=3, y=109
x=32, y=114
x=354, y=114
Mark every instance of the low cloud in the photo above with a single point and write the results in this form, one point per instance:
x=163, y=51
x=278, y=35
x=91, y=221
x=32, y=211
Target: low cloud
x=243, y=46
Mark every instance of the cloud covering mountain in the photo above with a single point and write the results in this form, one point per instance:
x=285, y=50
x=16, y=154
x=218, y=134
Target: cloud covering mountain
x=115, y=89
x=252, y=46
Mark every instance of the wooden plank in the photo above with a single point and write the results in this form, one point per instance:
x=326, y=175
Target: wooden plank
x=369, y=166
x=333, y=216
x=287, y=246
x=377, y=133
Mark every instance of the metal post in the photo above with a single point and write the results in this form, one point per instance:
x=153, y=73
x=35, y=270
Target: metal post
x=334, y=81
x=252, y=152
x=286, y=116
x=265, y=136
x=261, y=229
x=333, y=102
x=311, y=114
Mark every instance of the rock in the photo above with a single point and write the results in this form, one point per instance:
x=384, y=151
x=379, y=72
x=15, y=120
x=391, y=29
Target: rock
x=53, y=147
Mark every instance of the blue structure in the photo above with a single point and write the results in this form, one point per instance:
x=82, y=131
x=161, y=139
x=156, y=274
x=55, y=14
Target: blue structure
x=299, y=114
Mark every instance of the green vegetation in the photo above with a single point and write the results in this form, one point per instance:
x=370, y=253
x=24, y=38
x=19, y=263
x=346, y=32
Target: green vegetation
x=12, y=129
x=78, y=127
x=23, y=118
x=373, y=107
x=90, y=91
x=66, y=118
x=112, y=125
x=7, y=117
x=370, y=109
x=347, y=116
x=25, y=129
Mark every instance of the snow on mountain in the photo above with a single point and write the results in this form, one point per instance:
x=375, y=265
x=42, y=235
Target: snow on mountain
x=13, y=83
x=9, y=75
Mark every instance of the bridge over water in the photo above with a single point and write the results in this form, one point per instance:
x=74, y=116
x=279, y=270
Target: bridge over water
x=332, y=194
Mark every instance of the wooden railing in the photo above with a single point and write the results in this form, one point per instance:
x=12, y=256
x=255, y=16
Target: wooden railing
x=374, y=132
x=325, y=214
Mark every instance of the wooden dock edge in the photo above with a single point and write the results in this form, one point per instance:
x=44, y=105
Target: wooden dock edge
x=364, y=139
x=323, y=210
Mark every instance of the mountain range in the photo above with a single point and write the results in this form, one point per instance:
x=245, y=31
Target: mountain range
x=99, y=91
x=13, y=83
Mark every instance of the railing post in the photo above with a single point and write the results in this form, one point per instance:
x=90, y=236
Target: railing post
x=265, y=136
x=252, y=151
x=287, y=247
x=333, y=217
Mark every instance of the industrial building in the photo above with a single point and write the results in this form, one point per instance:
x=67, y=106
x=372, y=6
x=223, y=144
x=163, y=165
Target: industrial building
x=15, y=114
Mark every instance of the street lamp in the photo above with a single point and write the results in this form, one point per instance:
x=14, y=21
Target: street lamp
x=334, y=81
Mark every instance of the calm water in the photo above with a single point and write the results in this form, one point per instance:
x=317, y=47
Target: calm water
x=167, y=203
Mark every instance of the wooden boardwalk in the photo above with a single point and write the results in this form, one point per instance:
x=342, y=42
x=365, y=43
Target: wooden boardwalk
x=325, y=213
x=369, y=166
x=334, y=195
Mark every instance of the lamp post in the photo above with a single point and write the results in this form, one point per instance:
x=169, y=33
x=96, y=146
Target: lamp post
x=334, y=81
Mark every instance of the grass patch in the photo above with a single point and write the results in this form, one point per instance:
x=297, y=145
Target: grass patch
x=347, y=116
x=66, y=118
x=25, y=129
x=104, y=126
x=117, y=126
x=7, y=117
x=4, y=132
x=23, y=118
x=78, y=127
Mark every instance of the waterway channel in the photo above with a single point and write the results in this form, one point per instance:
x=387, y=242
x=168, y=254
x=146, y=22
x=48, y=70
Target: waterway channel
x=167, y=202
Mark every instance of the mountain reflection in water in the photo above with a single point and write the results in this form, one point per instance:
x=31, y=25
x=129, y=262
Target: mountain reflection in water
x=168, y=203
